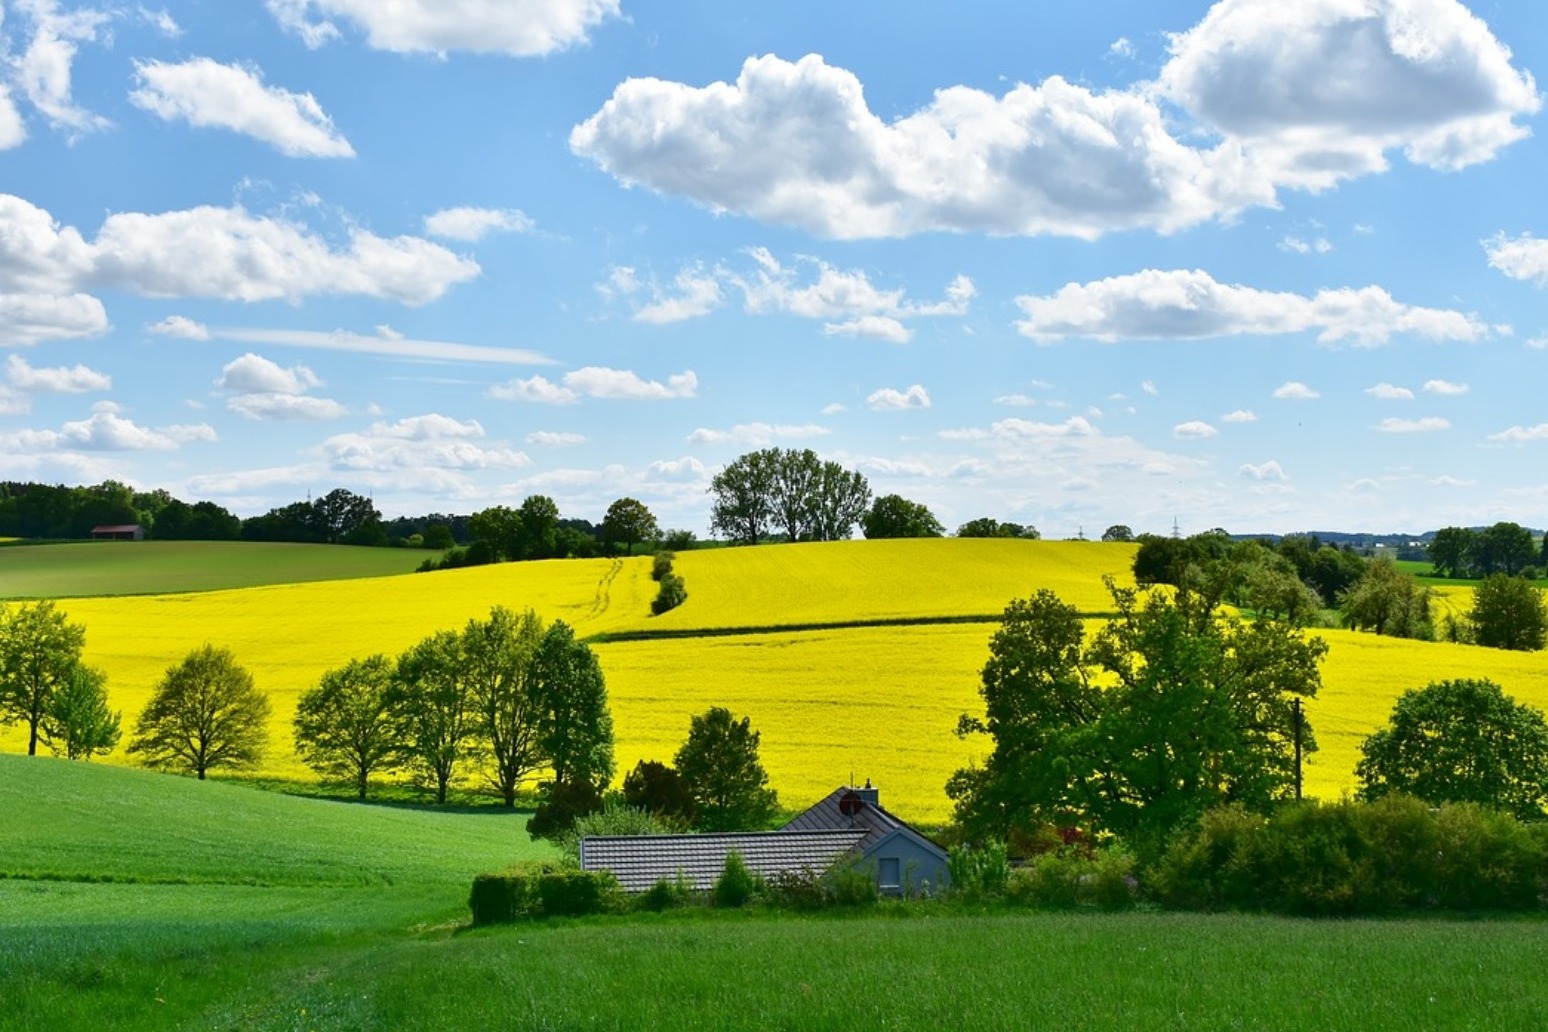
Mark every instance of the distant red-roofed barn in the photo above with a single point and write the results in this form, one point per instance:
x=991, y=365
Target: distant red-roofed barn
x=120, y=532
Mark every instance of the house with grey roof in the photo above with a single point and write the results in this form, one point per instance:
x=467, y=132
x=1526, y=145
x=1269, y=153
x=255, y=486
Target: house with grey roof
x=849, y=826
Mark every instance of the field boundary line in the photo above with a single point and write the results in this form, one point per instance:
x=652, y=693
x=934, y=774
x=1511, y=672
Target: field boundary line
x=667, y=634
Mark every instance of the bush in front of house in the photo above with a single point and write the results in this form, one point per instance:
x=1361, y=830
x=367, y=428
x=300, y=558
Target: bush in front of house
x=736, y=885
x=541, y=888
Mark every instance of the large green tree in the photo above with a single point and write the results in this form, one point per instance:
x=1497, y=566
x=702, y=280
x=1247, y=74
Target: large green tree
x=78, y=724
x=744, y=498
x=497, y=659
x=575, y=727
x=629, y=521
x=39, y=651
x=1170, y=709
x=434, y=711
x=1504, y=547
x=344, y=726
x=1388, y=601
x=205, y=713
x=719, y=764
x=1451, y=551
x=1462, y=741
x=1508, y=613
x=893, y=516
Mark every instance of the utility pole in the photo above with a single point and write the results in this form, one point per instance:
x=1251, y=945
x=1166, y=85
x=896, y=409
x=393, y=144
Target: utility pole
x=1297, y=722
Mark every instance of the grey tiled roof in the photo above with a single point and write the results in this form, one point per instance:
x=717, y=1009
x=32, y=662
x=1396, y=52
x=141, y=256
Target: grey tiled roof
x=872, y=821
x=640, y=861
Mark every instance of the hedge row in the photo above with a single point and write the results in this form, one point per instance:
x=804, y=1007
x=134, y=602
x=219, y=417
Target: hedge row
x=540, y=889
x=1395, y=854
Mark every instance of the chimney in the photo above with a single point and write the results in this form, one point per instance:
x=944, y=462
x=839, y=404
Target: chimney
x=870, y=795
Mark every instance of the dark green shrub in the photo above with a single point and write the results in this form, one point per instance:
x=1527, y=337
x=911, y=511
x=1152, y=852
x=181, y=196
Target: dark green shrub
x=1487, y=860
x=658, y=789
x=1356, y=858
x=661, y=565
x=736, y=885
x=671, y=594
x=1204, y=868
x=665, y=895
x=567, y=892
x=541, y=888
x=566, y=804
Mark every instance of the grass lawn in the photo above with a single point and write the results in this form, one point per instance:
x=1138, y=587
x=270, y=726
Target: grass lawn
x=77, y=569
x=309, y=914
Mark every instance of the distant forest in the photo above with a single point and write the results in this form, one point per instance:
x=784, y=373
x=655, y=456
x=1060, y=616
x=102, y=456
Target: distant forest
x=60, y=513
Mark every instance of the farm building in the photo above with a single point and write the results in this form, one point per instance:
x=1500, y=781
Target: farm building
x=123, y=532
x=848, y=826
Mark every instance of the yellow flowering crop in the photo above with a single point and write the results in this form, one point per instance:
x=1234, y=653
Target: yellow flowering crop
x=864, y=702
x=828, y=582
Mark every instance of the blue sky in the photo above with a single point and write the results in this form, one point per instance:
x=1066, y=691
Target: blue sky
x=1265, y=266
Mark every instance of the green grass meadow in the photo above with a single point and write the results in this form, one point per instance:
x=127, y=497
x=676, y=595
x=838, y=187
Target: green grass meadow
x=99, y=568
x=134, y=900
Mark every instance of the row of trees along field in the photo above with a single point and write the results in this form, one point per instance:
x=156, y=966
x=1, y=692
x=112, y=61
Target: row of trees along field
x=507, y=699
x=1309, y=583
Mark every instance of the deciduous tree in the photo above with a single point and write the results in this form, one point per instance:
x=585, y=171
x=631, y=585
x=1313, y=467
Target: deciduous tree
x=497, y=660
x=575, y=727
x=205, y=714
x=78, y=724
x=39, y=651
x=629, y=521
x=893, y=516
x=1462, y=741
x=1194, y=710
x=434, y=711
x=719, y=763
x=344, y=726
x=1388, y=601
x=1508, y=613
x=744, y=498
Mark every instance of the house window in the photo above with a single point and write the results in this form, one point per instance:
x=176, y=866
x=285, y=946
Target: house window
x=888, y=874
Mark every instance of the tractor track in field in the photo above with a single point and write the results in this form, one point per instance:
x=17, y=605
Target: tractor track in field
x=604, y=596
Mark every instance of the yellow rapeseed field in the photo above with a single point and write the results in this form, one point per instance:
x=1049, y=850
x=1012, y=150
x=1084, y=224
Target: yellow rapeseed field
x=828, y=582
x=867, y=702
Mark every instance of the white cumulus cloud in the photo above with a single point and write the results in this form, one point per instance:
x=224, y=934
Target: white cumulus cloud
x=519, y=28
x=473, y=224
x=1270, y=470
x=1191, y=305
x=1240, y=416
x=1194, y=430
x=1522, y=434
x=421, y=443
x=1412, y=426
x=180, y=326
x=59, y=380
x=1390, y=392
x=254, y=374
x=889, y=399
x=555, y=439
x=1261, y=96
x=1523, y=258
x=1295, y=390
x=596, y=382
x=1318, y=91
x=757, y=435
x=1445, y=388
x=208, y=94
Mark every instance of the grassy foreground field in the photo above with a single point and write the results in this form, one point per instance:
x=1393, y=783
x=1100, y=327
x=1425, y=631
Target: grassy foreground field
x=301, y=914
x=75, y=569
x=846, y=698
